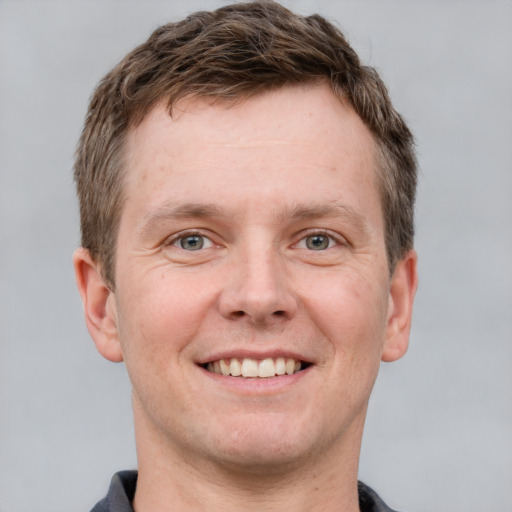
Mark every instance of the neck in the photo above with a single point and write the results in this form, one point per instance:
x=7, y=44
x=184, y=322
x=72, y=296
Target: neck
x=213, y=488
x=170, y=480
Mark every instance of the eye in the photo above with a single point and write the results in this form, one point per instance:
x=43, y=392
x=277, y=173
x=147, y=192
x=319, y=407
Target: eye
x=193, y=242
x=317, y=242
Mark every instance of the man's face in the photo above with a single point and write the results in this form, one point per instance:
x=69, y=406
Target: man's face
x=252, y=241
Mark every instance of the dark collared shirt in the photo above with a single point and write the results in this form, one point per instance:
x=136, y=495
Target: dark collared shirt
x=122, y=490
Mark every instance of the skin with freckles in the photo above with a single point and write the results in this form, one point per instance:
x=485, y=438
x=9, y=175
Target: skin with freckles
x=251, y=230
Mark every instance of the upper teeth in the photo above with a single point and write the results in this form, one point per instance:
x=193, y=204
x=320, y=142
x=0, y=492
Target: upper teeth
x=247, y=367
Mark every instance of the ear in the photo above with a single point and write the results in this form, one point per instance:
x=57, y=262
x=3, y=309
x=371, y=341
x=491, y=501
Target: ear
x=99, y=306
x=401, y=297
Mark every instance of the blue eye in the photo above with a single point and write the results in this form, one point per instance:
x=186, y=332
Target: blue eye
x=193, y=242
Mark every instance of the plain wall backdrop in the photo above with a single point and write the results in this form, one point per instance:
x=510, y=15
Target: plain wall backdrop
x=439, y=429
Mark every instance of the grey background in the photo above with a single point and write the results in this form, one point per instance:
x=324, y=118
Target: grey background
x=439, y=431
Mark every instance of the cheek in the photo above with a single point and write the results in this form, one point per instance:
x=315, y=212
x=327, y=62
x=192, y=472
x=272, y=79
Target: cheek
x=160, y=314
x=352, y=310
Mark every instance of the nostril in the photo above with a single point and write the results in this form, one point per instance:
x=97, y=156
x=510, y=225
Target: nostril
x=238, y=313
x=279, y=313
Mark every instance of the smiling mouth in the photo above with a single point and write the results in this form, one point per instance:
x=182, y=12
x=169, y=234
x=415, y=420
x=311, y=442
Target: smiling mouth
x=250, y=368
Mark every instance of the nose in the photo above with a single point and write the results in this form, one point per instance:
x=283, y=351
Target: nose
x=258, y=289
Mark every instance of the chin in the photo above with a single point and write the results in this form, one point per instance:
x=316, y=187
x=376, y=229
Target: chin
x=265, y=447
x=265, y=459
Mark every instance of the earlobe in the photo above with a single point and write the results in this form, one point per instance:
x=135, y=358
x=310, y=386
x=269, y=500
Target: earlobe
x=401, y=297
x=99, y=306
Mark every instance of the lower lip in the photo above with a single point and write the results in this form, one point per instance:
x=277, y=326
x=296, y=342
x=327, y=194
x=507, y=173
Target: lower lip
x=257, y=385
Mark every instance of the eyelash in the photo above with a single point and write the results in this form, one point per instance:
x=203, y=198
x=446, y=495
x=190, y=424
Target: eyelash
x=336, y=239
x=174, y=241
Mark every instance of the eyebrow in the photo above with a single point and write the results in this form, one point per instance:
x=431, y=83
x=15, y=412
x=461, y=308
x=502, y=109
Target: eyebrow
x=168, y=212
x=331, y=209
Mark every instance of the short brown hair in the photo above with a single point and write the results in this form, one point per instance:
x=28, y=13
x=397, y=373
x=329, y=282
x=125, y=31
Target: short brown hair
x=230, y=54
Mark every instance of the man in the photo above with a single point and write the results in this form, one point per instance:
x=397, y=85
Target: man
x=246, y=194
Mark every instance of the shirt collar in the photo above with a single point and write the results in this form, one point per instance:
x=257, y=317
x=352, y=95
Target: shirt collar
x=123, y=484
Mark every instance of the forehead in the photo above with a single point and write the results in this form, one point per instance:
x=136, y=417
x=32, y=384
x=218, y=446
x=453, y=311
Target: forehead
x=285, y=141
x=283, y=113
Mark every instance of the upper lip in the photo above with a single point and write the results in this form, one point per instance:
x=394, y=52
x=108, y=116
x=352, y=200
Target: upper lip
x=253, y=354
